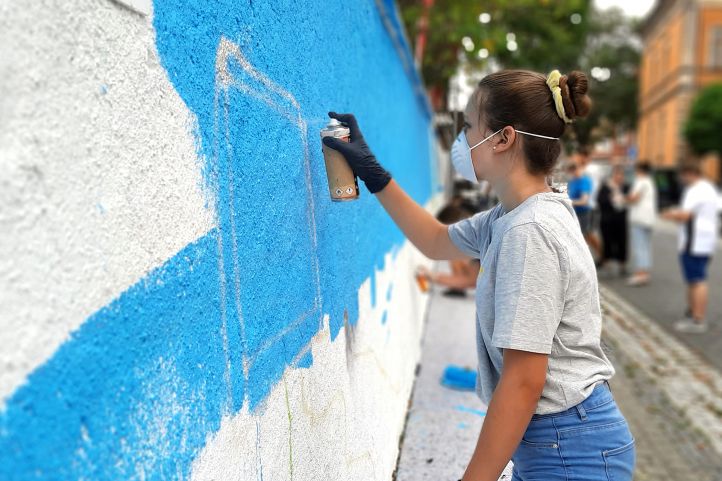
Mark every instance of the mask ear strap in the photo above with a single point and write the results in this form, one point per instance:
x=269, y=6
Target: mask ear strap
x=537, y=135
x=476, y=145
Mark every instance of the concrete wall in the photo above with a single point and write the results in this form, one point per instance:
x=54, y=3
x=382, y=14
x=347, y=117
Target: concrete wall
x=180, y=297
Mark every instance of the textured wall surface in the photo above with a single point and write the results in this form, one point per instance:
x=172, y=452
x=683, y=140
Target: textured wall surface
x=180, y=297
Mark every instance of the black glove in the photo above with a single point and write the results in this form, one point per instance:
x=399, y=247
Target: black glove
x=358, y=155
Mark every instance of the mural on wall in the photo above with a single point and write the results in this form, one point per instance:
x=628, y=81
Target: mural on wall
x=137, y=389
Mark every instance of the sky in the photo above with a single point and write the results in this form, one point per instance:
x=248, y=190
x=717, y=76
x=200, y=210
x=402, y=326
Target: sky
x=633, y=8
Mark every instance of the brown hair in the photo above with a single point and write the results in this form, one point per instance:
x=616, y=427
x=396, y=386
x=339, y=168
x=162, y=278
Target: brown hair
x=523, y=100
x=690, y=167
x=452, y=213
x=644, y=166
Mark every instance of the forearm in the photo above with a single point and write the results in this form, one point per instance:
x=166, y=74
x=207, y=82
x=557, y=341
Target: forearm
x=455, y=281
x=632, y=199
x=417, y=224
x=583, y=200
x=507, y=418
x=429, y=235
x=676, y=215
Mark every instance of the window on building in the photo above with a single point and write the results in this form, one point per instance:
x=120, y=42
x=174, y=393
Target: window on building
x=715, y=47
x=663, y=56
x=661, y=138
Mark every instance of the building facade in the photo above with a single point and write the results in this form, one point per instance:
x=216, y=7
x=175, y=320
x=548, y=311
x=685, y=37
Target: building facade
x=682, y=53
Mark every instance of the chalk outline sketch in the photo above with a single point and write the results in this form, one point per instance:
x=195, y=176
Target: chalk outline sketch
x=288, y=107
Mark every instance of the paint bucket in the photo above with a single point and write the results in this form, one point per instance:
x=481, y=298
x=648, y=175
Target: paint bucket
x=342, y=183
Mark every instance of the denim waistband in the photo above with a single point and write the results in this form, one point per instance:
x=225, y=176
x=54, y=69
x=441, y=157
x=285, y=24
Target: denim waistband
x=601, y=394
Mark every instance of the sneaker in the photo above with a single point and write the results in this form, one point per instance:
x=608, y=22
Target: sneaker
x=690, y=326
x=637, y=281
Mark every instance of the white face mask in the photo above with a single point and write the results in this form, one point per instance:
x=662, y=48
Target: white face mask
x=461, y=153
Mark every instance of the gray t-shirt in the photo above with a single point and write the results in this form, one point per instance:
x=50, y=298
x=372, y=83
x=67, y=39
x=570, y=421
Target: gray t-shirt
x=536, y=291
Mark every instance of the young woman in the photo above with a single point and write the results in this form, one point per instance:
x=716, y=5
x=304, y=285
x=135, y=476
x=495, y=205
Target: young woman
x=542, y=371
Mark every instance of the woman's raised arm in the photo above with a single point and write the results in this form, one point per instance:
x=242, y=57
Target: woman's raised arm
x=429, y=235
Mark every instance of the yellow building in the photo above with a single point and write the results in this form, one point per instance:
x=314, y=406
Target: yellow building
x=682, y=52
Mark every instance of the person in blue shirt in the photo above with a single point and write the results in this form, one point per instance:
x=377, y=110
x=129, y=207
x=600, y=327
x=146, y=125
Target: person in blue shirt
x=579, y=190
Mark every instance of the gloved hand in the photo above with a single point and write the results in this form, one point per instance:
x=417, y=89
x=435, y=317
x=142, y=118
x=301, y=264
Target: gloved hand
x=358, y=155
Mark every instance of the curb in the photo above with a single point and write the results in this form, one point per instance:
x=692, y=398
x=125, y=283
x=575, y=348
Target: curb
x=693, y=386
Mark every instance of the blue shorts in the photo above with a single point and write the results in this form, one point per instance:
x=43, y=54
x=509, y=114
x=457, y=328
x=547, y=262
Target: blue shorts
x=590, y=441
x=694, y=267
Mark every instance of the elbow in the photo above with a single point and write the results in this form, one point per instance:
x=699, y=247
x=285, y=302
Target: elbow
x=430, y=251
x=434, y=250
x=434, y=255
x=527, y=383
x=530, y=389
x=531, y=384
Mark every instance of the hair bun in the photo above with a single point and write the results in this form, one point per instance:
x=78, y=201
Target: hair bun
x=574, y=89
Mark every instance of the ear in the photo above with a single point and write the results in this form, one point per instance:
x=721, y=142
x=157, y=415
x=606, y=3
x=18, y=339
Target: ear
x=506, y=139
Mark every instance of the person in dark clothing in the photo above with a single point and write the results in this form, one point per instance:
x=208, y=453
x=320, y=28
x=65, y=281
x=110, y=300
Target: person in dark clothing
x=613, y=222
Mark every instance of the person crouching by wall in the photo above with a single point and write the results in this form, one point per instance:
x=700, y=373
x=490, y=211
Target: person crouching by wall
x=464, y=273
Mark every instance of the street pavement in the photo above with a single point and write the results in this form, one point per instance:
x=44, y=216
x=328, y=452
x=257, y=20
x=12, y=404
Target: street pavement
x=665, y=385
x=664, y=299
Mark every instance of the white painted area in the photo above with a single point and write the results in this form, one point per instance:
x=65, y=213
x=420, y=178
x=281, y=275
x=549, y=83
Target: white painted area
x=341, y=418
x=100, y=179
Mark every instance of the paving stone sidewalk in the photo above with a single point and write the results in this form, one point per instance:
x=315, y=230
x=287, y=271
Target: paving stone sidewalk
x=671, y=397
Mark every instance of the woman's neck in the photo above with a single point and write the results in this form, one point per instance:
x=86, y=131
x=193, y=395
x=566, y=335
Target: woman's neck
x=518, y=187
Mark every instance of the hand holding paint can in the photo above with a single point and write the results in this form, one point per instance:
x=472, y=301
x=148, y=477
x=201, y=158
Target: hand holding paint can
x=355, y=152
x=342, y=183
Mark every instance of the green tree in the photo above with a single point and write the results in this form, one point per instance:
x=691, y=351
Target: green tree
x=533, y=34
x=703, y=129
x=611, y=59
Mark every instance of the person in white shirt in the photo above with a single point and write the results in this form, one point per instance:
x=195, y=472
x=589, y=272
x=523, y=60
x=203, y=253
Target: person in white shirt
x=698, y=231
x=642, y=200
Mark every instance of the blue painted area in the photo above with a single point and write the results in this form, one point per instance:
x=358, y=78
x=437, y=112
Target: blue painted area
x=392, y=19
x=384, y=316
x=135, y=390
x=306, y=360
x=465, y=409
x=141, y=384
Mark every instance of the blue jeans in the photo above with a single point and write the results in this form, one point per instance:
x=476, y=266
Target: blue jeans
x=588, y=442
x=642, y=247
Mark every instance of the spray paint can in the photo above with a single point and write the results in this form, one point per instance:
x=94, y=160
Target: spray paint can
x=342, y=183
x=422, y=280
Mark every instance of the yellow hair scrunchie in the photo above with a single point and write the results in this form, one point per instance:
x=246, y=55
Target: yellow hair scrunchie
x=553, y=83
